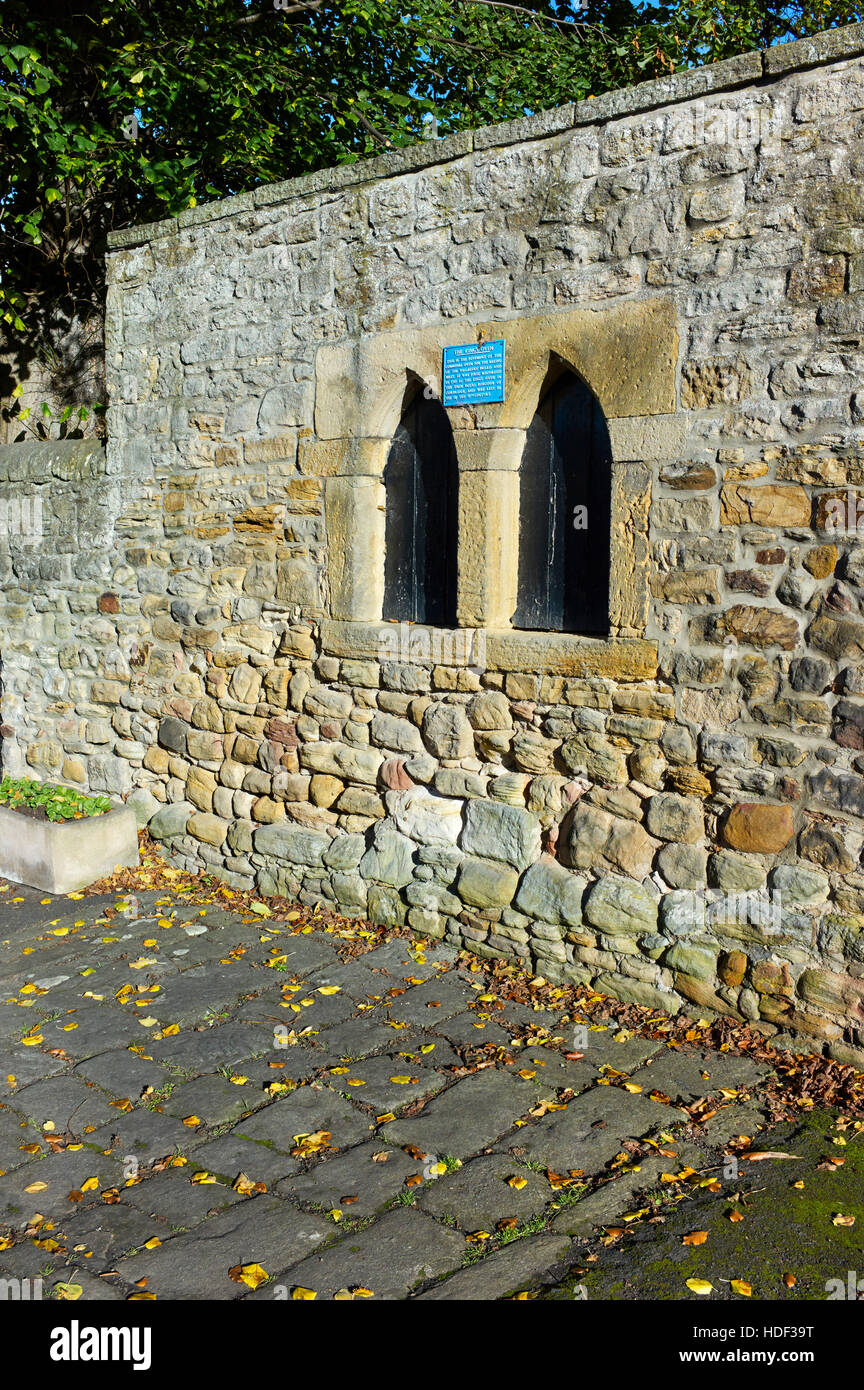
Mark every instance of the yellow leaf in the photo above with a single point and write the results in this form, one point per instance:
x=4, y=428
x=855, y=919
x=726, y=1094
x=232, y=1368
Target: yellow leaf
x=253, y=1275
x=330, y=989
x=741, y=1286
x=838, y=1220
x=699, y=1285
x=404, y=1080
x=300, y=1293
x=68, y=1293
x=42, y=1187
x=192, y=1121
x=203, y=1177
x=152, y=1243
x=695, y=1238
x=517, y=1182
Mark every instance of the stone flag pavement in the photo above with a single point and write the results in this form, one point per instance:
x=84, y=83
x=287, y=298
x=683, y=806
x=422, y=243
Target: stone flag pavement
x=207, y=1103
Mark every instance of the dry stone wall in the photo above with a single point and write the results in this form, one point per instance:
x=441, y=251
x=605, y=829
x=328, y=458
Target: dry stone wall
x=675, y=814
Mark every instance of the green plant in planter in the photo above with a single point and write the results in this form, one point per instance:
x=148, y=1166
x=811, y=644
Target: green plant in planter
x=58, y=803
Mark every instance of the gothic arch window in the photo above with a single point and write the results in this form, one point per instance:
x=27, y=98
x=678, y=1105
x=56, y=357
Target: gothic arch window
x=565, y=490
x=421, y=487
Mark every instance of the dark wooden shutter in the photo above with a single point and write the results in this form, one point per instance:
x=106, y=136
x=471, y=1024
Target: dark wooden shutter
x=567, y=464
x=421, y=482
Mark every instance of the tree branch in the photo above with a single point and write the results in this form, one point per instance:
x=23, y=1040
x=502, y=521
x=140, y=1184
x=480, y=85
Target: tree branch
x=284, y=10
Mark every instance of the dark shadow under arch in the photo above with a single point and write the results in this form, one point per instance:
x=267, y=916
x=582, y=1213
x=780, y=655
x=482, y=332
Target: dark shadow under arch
x=565, y=506
x=421, y=481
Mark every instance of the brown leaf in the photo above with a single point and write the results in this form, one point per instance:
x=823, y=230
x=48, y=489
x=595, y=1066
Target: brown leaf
x=759, y=1154
x=695, y=1238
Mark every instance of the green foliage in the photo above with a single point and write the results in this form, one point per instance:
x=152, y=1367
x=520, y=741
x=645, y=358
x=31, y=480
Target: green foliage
x=58, y=803
x=222, y=95
x=57, y=424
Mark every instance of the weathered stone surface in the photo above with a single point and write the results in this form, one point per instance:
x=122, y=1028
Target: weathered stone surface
x=447, y=732
x=425, y=817
x=501, y=832
x=338, y=760
x=824, y=846
x=758, y=627
x=617, y=906
x=288, y=843
x=388, y=731
x=735, y=873
x=597, y=838
x=759, y=828
x=840, y=638
x=797, y=886
x=171, y=820
x=672, y=817
x=490, y=709
x=683, y=866
x=551, y=892
x=764, y=504
x=404, y=1249
x=389, y=858
x=486, y=882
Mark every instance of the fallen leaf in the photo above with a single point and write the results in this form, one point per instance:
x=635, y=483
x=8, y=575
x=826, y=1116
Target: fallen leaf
x=760, y=1154
x=252, y=1274
x=700, y=1286
x=695, y=1238
x=741, y=1286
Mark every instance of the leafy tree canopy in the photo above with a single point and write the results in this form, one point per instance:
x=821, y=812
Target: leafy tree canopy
x=132, y=110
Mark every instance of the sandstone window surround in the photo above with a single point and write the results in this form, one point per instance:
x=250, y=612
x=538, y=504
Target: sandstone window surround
x=626, y=353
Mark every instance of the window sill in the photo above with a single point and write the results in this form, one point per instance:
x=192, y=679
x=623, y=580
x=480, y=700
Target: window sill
x=546, y=653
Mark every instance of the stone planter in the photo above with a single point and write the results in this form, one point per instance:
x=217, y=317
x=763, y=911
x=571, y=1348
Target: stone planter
x=65, y=856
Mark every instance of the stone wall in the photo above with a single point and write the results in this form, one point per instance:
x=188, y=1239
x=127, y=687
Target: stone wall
x=67, y=645
x=675, y=814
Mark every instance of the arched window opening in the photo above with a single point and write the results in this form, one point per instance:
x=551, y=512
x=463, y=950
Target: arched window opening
x=565, y=502
x=421, y=485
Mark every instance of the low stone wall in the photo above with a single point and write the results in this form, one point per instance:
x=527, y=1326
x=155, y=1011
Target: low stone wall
x=374, y=792
x=64, y=643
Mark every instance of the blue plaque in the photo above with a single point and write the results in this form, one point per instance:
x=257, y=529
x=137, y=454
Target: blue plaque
x=474, y=373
